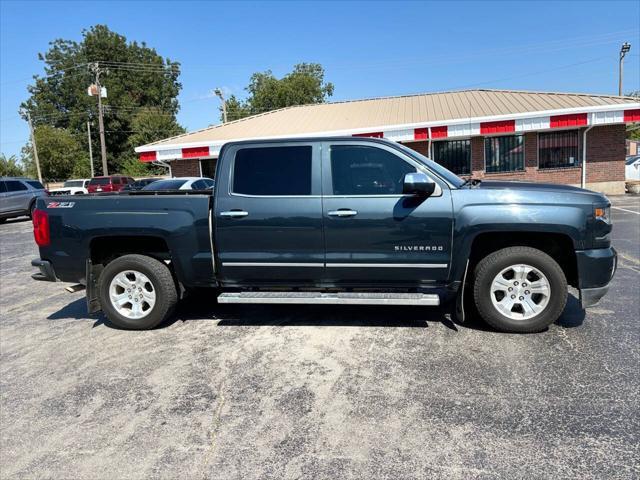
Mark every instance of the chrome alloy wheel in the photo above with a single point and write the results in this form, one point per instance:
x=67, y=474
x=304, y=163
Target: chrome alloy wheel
x=520, y=292
x=132, y=294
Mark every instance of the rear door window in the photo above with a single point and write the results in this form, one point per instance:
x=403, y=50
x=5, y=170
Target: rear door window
x=273, y=171
x=3, y=187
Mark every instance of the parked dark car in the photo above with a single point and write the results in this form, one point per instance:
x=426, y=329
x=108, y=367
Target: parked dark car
x=138, y=184
x=334, y=221
x=18, y=196
x=113, y=183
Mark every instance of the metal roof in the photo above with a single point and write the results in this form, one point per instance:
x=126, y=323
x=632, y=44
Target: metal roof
x=406, y=110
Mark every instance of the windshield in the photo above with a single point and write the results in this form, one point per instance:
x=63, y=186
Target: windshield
x=438, y=169
x=630, y=160
x=100, y=181
x=165, y=185
x=73, y=183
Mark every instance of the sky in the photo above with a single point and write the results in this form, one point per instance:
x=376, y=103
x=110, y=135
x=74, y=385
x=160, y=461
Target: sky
x=368, y=49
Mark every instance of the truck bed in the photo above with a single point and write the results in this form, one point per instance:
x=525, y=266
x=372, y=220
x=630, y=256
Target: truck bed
x=178, y=222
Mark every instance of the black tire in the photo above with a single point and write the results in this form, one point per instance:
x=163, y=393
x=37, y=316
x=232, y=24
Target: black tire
x=489, y=267
x=162, y=282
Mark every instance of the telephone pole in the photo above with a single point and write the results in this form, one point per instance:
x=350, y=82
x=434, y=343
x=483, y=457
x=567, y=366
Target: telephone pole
x=103, y=147
x=90, y=149
x=35, y=147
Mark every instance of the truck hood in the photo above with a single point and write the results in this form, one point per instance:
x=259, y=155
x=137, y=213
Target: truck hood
x=550, y=187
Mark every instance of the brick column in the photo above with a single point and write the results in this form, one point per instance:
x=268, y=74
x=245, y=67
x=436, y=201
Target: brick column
x=606, y=152
x=477, y=156
x=420, y=147
x=185, y=168
x=531, y=151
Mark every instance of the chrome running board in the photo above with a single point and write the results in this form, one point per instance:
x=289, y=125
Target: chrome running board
x=338, y=298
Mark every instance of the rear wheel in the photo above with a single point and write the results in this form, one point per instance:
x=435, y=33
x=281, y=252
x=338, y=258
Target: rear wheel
x=137, y=292
x=519, y=289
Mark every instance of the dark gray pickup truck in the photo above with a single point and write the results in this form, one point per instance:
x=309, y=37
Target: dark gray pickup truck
x=333, y=221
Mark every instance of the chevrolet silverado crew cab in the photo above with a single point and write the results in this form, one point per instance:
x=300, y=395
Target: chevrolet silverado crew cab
x=333, y=221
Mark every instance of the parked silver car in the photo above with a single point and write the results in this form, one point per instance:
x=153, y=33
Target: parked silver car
x=18, y=196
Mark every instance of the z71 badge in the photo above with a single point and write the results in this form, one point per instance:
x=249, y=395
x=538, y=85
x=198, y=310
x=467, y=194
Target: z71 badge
x=60, y=204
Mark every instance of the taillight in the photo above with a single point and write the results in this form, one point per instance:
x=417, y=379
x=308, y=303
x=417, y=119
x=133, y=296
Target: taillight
x=41, y=228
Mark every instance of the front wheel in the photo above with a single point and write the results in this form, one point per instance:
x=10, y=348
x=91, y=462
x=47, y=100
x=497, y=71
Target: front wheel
x=137, y=292
x=519, y=289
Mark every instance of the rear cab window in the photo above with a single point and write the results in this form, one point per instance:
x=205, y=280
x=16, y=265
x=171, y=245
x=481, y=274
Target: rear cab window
x=273, y=171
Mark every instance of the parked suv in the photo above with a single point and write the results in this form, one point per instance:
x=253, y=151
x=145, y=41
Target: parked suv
x=113, y=183
x=18, y=196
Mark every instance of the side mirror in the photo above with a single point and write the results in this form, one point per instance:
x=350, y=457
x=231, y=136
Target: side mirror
x=418, y=184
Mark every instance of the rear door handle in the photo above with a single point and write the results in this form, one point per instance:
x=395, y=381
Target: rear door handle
x=234, y=213
x=343, y=212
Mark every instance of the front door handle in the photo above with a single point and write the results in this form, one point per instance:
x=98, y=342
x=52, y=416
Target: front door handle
x=343, y=212
x=234, y=213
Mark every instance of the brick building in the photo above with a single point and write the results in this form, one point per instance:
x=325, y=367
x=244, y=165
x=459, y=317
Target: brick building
x=513, y=135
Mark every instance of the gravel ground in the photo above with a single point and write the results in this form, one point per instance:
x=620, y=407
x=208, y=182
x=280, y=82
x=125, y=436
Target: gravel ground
x=248, y=392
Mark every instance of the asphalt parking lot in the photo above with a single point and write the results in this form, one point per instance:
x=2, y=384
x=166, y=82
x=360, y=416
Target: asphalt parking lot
x=244, y=392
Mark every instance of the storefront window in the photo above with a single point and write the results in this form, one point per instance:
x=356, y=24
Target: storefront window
x=454, y=155
x=208, y=167
x=559, y=149
x=504, y=154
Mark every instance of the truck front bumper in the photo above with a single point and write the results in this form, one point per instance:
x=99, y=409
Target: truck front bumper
x=595, y=270
x=46, y=273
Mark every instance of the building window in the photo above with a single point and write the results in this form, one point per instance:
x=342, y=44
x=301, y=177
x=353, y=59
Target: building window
x=504, y=154
x=208, y=167
x=273, y=171
x=559, y=149
x=454, y=155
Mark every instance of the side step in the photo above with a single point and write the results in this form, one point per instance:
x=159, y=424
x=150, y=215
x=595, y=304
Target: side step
x=339, y=298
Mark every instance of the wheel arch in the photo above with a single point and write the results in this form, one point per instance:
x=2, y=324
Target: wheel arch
x=558, y=246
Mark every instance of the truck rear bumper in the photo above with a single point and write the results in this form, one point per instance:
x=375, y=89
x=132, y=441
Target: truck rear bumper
x=46, y=273
x=595, y=270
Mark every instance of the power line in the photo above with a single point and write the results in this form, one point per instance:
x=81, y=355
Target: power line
x=49, y=75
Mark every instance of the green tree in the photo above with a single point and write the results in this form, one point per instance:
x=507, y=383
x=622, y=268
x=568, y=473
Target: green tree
x=60, y=153
x=304, y=85
x=135, y=76
x=9, y=166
